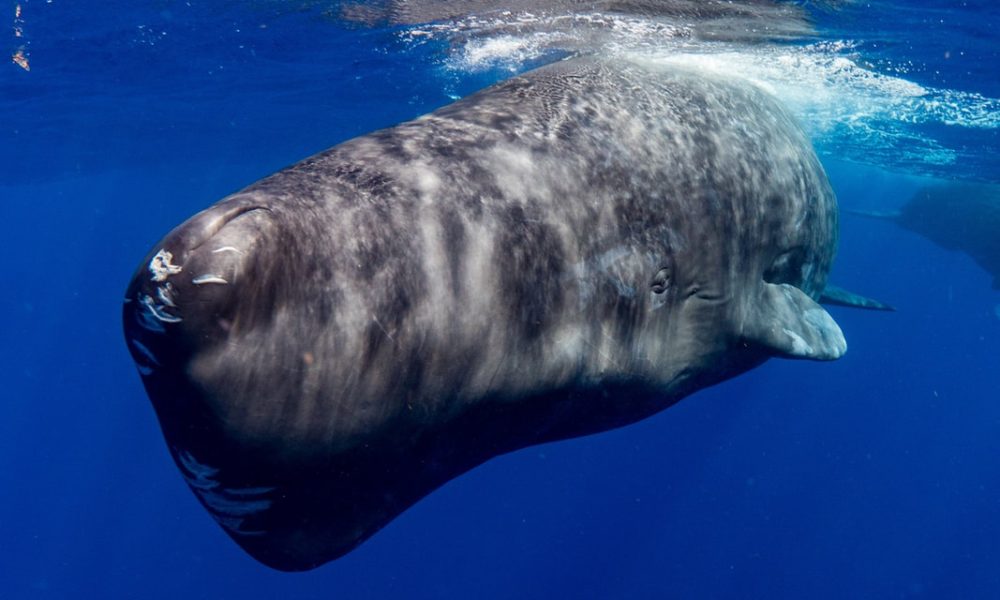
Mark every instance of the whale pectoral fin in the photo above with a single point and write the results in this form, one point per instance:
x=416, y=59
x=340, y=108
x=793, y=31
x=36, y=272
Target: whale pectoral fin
x=789, y=324
x=841, y=297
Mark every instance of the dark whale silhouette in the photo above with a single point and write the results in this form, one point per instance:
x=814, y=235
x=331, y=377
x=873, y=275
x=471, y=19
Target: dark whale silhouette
x=956, y=216
x=563, y=253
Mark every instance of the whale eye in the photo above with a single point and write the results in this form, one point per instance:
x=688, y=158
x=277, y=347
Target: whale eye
x=661, y=281
x=787, y=267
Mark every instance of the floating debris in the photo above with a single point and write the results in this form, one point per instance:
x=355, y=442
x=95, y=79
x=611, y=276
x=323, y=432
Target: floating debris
x=20, y=56
x=21, y=59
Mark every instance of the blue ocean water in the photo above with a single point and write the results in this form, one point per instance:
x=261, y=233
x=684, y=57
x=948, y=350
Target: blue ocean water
x=874, y=476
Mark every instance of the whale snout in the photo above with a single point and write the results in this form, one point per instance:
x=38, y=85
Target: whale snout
x=182, y=297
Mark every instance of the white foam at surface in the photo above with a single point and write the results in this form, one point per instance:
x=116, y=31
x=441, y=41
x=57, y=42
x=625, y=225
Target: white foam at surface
x=505, y=51
x=849, y=109
x=818, y=80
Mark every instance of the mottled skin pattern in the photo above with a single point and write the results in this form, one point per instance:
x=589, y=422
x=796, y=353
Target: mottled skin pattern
x=560, y=254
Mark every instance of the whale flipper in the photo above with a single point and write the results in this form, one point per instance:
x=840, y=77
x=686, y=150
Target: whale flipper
x=841, y=297
x=790, y=324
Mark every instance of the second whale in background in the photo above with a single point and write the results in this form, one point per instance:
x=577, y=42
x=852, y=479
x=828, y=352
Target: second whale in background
x=956, y=216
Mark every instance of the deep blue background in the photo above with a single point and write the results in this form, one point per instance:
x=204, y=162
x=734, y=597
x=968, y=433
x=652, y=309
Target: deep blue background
x=875, y=476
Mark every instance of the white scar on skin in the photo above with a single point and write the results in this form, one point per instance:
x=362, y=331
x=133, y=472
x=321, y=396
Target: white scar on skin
x=387, y=334
x=165, y=294
x=146, y=317
x=227, y=249
x=160, y=266
x=157, y=312
x=799, y=345
x=228, y=506
x=145, y=351
x=208, y=278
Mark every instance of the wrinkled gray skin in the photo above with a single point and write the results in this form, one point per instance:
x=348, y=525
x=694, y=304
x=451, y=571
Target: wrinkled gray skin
x=563, y=253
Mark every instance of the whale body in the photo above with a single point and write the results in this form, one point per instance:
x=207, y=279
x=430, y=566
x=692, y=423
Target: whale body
x=563, y=253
